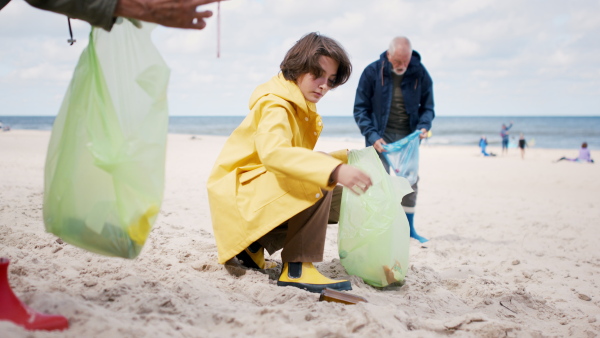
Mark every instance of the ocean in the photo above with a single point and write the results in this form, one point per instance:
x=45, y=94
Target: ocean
x=540, y=132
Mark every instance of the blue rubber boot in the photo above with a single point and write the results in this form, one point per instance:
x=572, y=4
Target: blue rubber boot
x=413, y=233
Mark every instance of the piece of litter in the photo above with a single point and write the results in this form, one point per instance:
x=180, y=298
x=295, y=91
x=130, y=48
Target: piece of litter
x=584, y=297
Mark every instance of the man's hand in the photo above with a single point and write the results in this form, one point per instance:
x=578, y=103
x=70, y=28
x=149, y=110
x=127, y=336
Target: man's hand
x=352, y=178
x=170, y=13
x=423, y=133
x=378, y=145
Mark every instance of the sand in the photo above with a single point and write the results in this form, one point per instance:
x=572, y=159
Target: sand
x=513, y=252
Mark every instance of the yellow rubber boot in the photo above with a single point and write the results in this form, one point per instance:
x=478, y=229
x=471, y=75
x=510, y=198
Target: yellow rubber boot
x=254, y=257
x=306, y=276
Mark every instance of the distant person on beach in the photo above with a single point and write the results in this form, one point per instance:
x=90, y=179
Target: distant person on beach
x=393, y=99
x=522, y=145
x=268, y=189
x=483, y=144
x=504, y=135
x=100, y=13
x=584, y=155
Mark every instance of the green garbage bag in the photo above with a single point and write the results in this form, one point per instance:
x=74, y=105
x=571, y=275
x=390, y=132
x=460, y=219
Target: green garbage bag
x=104, y=173
x=373, y=235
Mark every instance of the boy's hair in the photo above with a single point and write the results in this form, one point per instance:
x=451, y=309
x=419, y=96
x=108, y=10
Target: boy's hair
x=303, y=58
x=584, y=145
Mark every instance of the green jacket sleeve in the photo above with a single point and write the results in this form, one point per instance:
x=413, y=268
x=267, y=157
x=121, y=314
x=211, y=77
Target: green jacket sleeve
x=97, y=12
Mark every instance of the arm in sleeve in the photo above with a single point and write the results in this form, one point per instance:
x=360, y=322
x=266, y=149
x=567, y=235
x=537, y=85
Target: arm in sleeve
x=97, y=12
x=363, y=108
x=426, y=112
x=341, y=155
x=274, y=146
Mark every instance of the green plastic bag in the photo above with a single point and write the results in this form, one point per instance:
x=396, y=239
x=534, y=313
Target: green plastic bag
x=104, y=174
x=373, y=236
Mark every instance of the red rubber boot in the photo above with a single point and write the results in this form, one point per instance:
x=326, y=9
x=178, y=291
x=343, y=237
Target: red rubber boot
x=13, y=310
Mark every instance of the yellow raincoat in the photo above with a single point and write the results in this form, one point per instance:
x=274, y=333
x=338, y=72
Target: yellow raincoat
x=267, y=171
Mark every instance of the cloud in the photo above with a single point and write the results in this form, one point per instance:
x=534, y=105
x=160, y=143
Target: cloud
x=486, y=57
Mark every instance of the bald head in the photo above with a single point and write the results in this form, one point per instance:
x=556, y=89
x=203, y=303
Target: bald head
x=399, y=54
x=400, y=42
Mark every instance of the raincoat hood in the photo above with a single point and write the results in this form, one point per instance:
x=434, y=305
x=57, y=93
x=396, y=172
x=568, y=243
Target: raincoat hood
x=285, y=89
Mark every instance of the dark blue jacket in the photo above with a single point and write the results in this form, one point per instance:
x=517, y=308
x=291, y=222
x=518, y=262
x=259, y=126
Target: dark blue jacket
x=374, y=97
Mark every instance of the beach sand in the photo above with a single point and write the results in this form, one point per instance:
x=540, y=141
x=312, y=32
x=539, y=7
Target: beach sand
x=513, y=251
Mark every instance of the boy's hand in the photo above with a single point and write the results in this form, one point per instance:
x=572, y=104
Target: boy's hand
x=352, y=178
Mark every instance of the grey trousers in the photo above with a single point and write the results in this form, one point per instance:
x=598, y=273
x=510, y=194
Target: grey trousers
x=302, y=237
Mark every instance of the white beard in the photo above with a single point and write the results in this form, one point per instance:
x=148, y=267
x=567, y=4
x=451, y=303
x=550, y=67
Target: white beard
x=399, y=73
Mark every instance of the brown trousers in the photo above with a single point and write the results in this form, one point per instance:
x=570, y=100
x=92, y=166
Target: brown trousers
x=336, y=203
x=302, y=237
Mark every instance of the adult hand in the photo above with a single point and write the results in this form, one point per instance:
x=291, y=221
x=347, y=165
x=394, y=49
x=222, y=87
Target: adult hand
x=423, y=133
x=352, y=178
x=170, y=13
x=378, y=145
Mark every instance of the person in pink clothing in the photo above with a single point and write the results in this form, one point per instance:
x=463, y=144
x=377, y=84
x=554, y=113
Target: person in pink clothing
x=584, y=155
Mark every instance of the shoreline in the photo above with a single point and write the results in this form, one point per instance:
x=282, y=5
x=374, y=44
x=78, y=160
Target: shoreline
x=547, y=132
x=356, y=142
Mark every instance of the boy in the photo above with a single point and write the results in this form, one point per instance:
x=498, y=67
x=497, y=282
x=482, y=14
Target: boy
x=268, y=188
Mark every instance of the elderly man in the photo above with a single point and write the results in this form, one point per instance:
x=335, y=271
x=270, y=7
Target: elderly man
x=393, y=99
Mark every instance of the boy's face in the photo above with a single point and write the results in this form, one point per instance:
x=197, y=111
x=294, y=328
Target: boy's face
x=314, y=88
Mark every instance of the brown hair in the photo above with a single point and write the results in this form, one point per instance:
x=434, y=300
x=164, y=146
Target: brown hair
x=584, y=145
x=304, y=56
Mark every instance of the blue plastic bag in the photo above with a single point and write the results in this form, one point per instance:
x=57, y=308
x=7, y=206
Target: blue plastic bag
x=403, y=157
x=373, y=236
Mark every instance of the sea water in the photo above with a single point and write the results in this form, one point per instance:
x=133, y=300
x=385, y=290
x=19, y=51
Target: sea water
x=540, y=132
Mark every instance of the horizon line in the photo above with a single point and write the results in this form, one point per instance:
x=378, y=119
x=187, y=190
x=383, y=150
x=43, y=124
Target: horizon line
x=503, y=116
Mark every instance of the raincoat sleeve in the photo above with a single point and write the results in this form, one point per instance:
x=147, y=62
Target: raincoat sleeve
x=274, y=147
x=426, y=112
x=97, y=12
x=363, y=107
x=341, y=155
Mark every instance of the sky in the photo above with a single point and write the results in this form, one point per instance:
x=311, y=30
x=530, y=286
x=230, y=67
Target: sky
x=486, y=57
